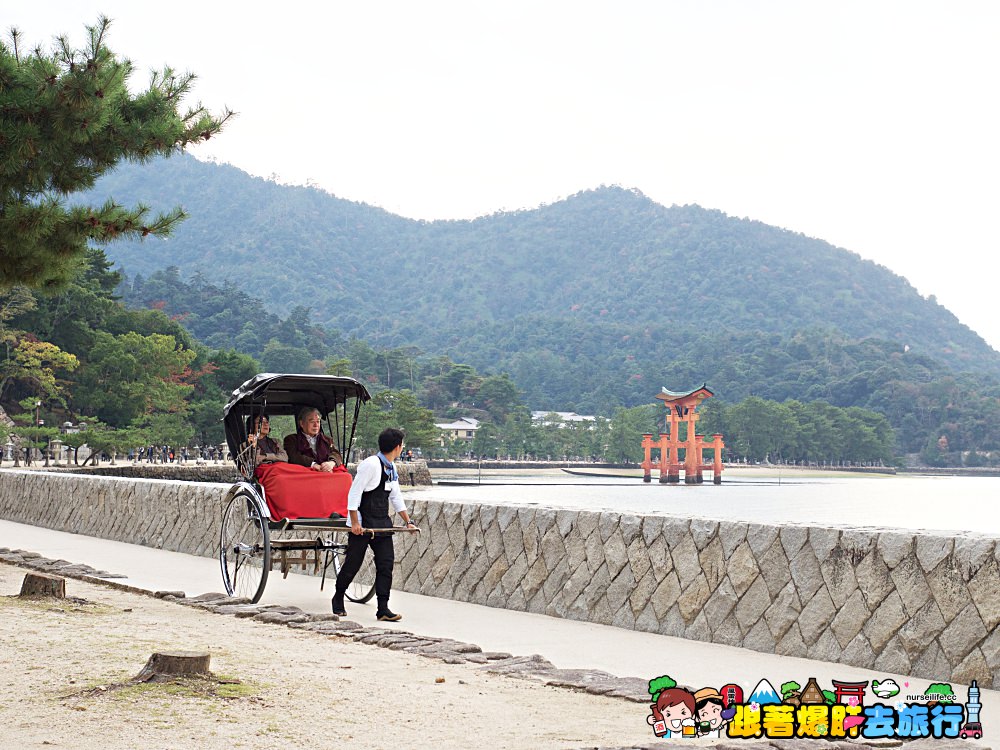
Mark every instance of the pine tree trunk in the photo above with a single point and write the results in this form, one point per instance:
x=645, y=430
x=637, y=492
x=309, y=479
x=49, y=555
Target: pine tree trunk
x=43, y=584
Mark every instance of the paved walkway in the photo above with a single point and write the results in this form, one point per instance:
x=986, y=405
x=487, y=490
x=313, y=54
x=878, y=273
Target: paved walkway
x=567, y=644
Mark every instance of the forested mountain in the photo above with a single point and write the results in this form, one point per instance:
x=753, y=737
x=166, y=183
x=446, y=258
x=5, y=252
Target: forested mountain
x=589, y=303
x=603, y=259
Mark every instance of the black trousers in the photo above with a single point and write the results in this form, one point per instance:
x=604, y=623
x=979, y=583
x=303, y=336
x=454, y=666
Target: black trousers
x=357, y=545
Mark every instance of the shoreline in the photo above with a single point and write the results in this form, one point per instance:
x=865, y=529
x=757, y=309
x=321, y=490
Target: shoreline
x=757, y=470
x=611, y=471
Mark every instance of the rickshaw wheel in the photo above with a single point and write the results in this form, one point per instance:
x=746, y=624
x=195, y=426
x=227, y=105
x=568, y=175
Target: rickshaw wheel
x=362, y=588
x=244, y=548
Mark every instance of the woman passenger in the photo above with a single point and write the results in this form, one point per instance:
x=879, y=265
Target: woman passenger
x=268, y=450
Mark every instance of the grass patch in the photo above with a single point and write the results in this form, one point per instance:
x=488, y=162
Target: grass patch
x=209, y=688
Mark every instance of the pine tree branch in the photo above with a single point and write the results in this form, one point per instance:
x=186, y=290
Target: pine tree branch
x=15, y=38
x=66, y=117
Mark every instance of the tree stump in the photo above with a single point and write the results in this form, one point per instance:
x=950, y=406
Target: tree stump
x=169, y=664
x=43, y=584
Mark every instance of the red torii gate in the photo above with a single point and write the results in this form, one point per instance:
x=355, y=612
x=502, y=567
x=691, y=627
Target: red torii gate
x=682, y=407
x=847, y=690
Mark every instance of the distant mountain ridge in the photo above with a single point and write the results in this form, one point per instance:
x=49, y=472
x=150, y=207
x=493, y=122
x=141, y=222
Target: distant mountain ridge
x=506, y=291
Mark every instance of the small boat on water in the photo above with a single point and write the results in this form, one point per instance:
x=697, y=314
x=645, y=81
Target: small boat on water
x=606, y=473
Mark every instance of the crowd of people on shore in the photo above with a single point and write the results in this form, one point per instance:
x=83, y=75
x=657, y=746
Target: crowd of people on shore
x=166, y=454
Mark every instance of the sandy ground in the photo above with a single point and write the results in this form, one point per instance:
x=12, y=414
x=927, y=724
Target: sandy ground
x=63, y=663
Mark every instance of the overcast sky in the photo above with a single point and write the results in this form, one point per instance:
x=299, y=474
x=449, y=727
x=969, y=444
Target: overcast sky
x=872, y=125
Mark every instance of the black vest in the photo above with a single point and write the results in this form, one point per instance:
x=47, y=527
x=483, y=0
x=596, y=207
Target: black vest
x=374, y=505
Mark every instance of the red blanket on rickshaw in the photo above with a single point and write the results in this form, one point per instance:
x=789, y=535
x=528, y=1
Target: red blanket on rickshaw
x=294, y=491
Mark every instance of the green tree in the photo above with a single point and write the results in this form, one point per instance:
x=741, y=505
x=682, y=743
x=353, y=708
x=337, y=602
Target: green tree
x=597, y=438
x=35, y=363
x=75, y=441
x=396, y=409
x=161, y=429
x=214, y=375
x=515, y=435
x=13, y=302
x=339, y=366
x=498, y=396
x=576, y=440
x=280, y=357
x=113, y=442
x=713, y=415
x=485, y=442
x=66, y=117
x=627, y=428
x=761, y=429
x=84, y=305
x=458, y=380
x=362, y=358
x=131, y=376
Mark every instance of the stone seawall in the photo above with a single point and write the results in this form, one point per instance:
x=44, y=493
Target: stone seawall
x=901, y=602
x=176, y=516
x=909, y=603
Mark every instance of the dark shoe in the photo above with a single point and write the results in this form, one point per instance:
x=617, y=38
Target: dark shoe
x=338, y=605
x=387, y=616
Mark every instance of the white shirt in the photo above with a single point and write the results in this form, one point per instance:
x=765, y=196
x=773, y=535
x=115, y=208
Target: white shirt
x=367, y=477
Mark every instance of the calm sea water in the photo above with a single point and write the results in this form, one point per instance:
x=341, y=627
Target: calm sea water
x=954, y=504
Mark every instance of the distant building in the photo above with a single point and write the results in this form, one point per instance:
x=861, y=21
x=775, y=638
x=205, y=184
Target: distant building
x=463, y=428
x=560, y=418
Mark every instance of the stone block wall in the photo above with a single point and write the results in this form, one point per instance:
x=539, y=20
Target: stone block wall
x=176, y=516
x=910, y=603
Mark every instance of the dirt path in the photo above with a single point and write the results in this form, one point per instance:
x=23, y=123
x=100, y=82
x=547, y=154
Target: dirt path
x=61, y=663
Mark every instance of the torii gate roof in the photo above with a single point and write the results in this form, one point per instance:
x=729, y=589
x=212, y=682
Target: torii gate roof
x=696, y=394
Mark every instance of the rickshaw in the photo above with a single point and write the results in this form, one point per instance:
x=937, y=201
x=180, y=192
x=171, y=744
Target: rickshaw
x=251, y=541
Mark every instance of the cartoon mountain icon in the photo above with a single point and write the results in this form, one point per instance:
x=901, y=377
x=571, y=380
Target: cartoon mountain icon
x=764, y=693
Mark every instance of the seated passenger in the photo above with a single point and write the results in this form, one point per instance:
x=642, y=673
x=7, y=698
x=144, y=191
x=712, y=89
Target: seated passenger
x=314, y=483
x=268, y=450
x=309, y=447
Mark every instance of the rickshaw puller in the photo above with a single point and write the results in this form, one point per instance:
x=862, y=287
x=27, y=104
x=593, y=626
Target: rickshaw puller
x=375, y=487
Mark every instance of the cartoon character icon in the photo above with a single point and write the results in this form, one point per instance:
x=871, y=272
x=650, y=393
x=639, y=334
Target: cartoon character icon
x=885, y=688
x=711, y=713
x=672, y=715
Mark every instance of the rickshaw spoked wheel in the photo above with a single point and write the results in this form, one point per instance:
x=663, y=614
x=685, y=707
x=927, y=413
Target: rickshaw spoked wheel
x=244, y=548
x=362, y=588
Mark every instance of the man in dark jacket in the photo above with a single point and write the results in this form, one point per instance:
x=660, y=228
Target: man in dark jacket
x=309, y=447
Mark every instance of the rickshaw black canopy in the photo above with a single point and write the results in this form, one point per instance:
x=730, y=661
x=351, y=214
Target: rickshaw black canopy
x=277, y=394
